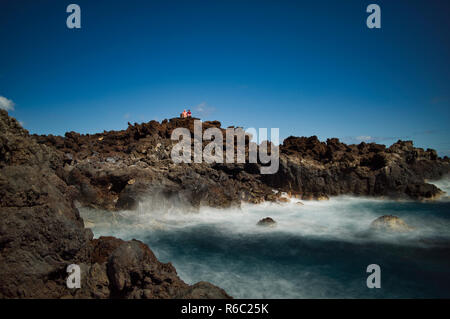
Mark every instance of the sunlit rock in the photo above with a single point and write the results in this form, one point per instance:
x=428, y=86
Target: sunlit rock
x=390, y=223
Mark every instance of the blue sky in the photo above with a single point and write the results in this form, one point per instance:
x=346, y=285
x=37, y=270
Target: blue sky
x=307, y=67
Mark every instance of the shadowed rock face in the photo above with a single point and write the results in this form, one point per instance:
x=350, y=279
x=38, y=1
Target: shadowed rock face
x=41, y=233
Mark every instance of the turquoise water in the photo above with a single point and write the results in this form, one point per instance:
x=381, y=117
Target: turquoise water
x=318, y=250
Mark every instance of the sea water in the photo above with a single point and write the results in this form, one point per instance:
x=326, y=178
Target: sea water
x=317, y=250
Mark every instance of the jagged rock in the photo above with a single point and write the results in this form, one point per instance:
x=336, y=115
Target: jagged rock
x=314, y=169
x=390, y=223
x=308, y=167
x=41, y=231
x=268, y=221
x=135, y=272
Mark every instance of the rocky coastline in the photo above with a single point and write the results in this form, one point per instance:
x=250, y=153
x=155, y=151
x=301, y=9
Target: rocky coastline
x=44, y=178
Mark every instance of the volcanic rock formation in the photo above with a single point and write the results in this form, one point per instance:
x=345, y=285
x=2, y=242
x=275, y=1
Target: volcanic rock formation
x=113, y=170
x=41, y=233
x=43, y=178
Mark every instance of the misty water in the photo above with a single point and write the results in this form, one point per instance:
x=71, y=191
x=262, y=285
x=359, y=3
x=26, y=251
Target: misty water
x=317, y=250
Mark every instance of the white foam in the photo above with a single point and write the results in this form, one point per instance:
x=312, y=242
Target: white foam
x=342, y=218
x=339, y=219
x=444, y=185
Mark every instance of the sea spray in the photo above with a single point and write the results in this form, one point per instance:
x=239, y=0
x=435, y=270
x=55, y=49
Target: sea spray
x=318, y=250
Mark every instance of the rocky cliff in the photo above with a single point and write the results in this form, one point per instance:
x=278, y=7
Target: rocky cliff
x=112, y=170
x=42, y=178
x=41, y=233
x=313, y=168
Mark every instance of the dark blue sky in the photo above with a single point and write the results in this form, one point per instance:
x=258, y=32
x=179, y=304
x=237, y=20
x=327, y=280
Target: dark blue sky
x=307, y=67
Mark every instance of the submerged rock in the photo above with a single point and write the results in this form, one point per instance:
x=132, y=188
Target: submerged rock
x=390, y=223
x=268, y=221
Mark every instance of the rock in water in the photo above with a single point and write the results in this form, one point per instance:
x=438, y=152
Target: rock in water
x=390, y=223
x=267, y=222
